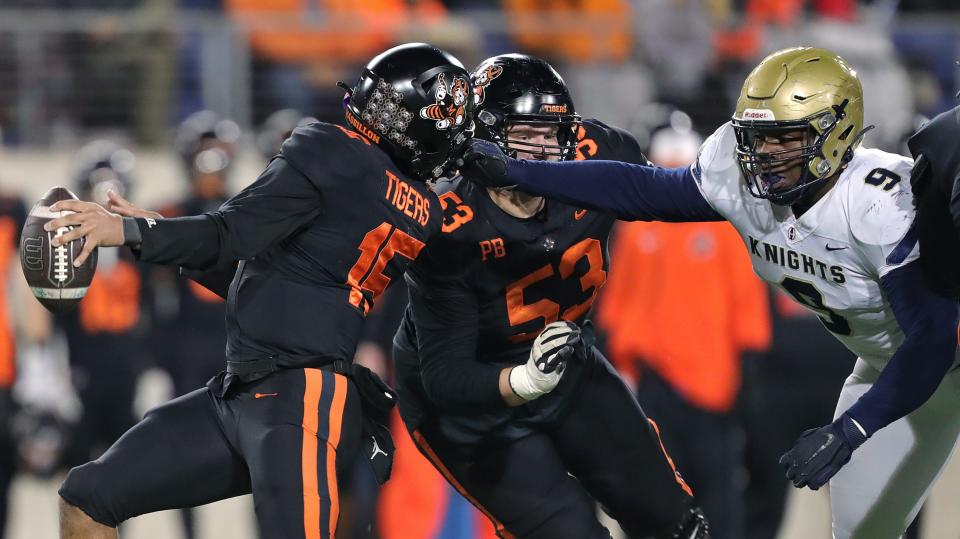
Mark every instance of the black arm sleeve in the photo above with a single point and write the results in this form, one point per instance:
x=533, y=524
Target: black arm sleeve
x=629, y=191
x=281, y=201
x=447, y=321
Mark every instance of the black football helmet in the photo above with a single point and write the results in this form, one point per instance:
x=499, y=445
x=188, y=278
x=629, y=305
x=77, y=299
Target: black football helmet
x=522, y=89
x=102, y=166
x=207, y=143
x=413, y=101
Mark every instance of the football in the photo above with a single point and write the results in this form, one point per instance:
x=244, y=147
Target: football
x=49, y=270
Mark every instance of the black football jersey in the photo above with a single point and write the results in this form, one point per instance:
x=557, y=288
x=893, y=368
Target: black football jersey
x=493, y=281
x=321, y=233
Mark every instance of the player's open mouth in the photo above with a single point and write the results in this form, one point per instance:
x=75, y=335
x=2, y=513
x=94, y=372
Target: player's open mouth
x=773, y=182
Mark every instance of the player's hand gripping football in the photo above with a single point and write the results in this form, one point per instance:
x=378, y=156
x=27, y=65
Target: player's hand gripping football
x=484, y=163
x=100, y=227
x=820, y=453
x=556, y=344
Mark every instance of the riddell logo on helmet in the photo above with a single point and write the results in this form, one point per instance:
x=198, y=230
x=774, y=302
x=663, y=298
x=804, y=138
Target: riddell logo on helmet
x=554, y=109
x=758, y=114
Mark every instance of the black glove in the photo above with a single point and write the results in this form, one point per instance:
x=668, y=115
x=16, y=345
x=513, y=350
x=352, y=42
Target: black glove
x=483, y=162
x=820, y=453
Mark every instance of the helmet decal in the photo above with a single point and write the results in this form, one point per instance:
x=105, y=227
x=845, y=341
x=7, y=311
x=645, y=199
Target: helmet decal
x=385, y=113
x=450, y=110
x=482, y=79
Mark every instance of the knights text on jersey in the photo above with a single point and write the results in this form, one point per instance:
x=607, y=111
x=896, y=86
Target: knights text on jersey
x=830, y=259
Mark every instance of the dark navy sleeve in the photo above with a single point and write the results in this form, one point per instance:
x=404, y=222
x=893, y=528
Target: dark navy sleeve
x=955, y=203
x=629, y=191
x=276, y=205
x=929, y=323
x=447, y=321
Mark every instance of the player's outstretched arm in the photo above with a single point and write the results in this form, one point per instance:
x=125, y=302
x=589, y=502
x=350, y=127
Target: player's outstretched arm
x=629, y=191
x=929, y=323
x=278, y=203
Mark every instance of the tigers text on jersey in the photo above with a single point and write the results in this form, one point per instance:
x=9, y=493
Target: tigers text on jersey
x=322, y=232
x=831, y=258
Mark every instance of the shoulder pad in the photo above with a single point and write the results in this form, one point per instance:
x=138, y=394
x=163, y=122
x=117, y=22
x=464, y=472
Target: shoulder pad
x=597, y=140
x=717, y=152
x=936, y=141
x=879, y=199
x=319, y=148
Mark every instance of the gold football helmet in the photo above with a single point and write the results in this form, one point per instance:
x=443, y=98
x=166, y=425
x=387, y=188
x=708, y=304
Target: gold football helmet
x=802, y=89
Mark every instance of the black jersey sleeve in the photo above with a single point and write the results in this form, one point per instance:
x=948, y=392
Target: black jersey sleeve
x=278, y=203
x=287, y=195
x=447, y=319
x=611, y=143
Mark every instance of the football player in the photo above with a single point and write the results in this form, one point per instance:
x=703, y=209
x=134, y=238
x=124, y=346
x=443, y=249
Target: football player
x=936, y=191
x=499, y=386
x=323, y=231
x=828, y=222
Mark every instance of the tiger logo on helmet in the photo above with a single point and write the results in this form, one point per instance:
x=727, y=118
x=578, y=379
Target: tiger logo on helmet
x=482, y=79
x=451, y=107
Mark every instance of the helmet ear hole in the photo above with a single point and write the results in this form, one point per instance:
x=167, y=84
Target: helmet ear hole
x=846, y=133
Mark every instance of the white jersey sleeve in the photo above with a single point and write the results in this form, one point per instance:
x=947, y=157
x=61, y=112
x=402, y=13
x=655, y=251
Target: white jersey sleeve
x=717, y=173
x=881, y=211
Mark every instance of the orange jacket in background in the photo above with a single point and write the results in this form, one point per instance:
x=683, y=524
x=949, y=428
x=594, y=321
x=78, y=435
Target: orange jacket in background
x=580, y=31
x=302, y=31
x=8, y=243
x=684, y=299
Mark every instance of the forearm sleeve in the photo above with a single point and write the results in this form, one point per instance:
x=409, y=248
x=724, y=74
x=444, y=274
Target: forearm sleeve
x=629, y=191
x=275, y=206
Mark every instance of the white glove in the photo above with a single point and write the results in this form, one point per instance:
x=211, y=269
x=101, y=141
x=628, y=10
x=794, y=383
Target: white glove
x=548, y=359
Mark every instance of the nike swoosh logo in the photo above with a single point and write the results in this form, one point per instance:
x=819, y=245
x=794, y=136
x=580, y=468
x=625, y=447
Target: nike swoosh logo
x=835, y=248
x=579, y=214
x=262, y=395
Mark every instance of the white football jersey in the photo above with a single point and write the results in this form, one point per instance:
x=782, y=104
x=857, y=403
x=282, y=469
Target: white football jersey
x=831, y=258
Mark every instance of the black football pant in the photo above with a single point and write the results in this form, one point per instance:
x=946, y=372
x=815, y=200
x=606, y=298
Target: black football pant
x=286, y=438
x=707, y=446
x=543, y=486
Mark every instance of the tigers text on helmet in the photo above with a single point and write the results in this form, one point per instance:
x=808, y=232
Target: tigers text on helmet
x=515, y=89
x=414, y=102
x=807, y=91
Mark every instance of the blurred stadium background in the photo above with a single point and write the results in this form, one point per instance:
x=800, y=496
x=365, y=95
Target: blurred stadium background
x=132, y=71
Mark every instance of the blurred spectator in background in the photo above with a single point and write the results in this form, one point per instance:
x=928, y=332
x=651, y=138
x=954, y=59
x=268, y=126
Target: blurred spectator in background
x=33, y=326
x=590, y=41
x=802, y=373
x=106, y=334
x=680, y=308
x=302, y=48
x=277, y=128
x=189, y=332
